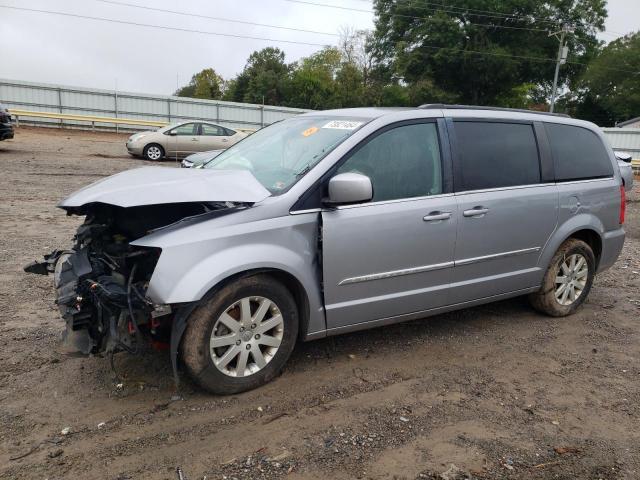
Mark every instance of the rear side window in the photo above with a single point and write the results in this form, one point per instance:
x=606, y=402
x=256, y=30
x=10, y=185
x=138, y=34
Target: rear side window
x=212, y=130
x=494, y=155
x=578, y=153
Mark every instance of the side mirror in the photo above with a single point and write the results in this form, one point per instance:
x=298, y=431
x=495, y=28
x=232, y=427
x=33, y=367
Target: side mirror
x=624, y=156
x=172, y=134
x=349, y=187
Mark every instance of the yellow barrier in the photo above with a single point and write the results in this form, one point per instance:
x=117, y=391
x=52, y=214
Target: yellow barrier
x=93, y=120
x=84, y=118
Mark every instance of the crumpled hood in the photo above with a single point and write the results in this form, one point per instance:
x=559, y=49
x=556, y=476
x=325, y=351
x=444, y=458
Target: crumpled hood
x=162, y=185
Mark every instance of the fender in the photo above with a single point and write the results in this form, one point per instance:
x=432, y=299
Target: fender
x=197, y=258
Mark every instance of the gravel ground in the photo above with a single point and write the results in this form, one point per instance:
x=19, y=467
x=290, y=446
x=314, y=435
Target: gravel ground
x=491, y=392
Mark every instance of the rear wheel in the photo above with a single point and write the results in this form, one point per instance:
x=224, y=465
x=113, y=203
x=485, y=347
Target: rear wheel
x=153, y=152
x=241, y=337
x=568, y=280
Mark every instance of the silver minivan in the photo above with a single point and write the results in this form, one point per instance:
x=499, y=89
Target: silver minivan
x=336, y=221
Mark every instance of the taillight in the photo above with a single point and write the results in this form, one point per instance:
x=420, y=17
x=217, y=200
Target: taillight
x=623, y=204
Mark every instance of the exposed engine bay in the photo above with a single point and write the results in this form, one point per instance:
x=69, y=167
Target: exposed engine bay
x=102, y=280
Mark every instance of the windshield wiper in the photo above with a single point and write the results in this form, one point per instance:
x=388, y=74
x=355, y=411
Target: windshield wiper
x=304, y=171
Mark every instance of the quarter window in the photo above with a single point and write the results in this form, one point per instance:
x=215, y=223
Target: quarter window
x=402, y=163
x=578, y=153
x=495, y=155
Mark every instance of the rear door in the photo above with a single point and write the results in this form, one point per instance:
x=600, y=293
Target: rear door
x=213, y=137
x=507, y=207
x=394, y=255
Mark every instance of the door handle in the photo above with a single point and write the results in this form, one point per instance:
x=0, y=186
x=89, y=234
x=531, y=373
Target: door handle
x=435, y=216
x=194, y=139
x=475, y=212
x=225, y=139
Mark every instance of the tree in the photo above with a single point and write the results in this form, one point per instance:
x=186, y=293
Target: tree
x=205, y=84
x=313, y=80
x=607, y=95
x=478, y=57
x=265, y=78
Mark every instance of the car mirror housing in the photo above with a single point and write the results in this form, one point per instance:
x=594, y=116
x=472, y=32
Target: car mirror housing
x=351, y=187
x=172, y=134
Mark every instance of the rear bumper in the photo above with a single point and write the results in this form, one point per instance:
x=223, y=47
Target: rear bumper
x=612, y=243
x=6, y=131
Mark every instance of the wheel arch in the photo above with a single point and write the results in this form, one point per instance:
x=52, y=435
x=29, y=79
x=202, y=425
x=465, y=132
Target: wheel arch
x=290, y=281
x=585, y=227
x=591, y=238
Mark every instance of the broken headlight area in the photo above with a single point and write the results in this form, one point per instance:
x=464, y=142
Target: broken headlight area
x=101, y=281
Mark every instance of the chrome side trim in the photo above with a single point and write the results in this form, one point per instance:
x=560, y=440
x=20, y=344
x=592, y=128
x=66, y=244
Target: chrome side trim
x=513, y=253
x=302, y=212
x=500, y=189
x=436, y=266
x=396, y=273
x=588, y=180
x=397, y=200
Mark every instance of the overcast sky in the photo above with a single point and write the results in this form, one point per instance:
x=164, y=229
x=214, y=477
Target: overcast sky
x=49, y=48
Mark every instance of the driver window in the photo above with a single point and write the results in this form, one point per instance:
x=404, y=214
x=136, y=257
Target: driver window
x=186, y=129
x=212, y=130
x=402, y=163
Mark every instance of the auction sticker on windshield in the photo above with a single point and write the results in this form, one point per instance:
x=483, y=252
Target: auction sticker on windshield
x=342, y=125
x=309, y=131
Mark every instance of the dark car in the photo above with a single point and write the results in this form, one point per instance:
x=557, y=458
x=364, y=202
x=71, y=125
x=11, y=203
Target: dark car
x=6, y=129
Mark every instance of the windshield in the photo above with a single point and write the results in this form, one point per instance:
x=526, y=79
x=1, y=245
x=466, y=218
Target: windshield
x=279, y=155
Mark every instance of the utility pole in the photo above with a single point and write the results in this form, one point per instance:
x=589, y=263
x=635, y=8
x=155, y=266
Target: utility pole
x=563, y=51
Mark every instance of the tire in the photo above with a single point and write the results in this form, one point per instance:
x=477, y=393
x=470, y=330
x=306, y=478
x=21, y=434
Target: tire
x=552, y=299
x=211, y=322
x=153, y=152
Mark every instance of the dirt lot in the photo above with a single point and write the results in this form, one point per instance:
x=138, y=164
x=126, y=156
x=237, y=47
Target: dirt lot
x=498, y=391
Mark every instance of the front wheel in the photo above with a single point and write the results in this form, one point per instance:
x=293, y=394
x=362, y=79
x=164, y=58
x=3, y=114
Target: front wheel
x=568, y=280
x=153, y=152
x=241, y=337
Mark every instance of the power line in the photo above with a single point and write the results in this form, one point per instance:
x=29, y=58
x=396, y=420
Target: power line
x=340, y=7
x=498, y=16
x=472, y=11
x=522, y=57
x=186, y=14
x=162, y=27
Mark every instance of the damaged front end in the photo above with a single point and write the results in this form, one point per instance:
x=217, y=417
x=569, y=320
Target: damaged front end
x=101, y=281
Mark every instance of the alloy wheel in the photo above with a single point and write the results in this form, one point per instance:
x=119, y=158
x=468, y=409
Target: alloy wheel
x=154, y=153
x=571, y=279
x=246, y=337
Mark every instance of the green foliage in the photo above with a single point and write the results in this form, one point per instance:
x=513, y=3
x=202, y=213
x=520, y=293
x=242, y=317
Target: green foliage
x=265, y=79
x=205, y=84
x=313, y=81
x=454, y=51
x=607, y=96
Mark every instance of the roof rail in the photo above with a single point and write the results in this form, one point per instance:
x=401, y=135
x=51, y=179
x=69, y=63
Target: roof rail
x=432, y=106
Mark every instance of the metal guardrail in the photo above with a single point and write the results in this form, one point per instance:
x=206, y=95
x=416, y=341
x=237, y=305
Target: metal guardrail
x=17, y=113
x=67, y=100
x=83, y=118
